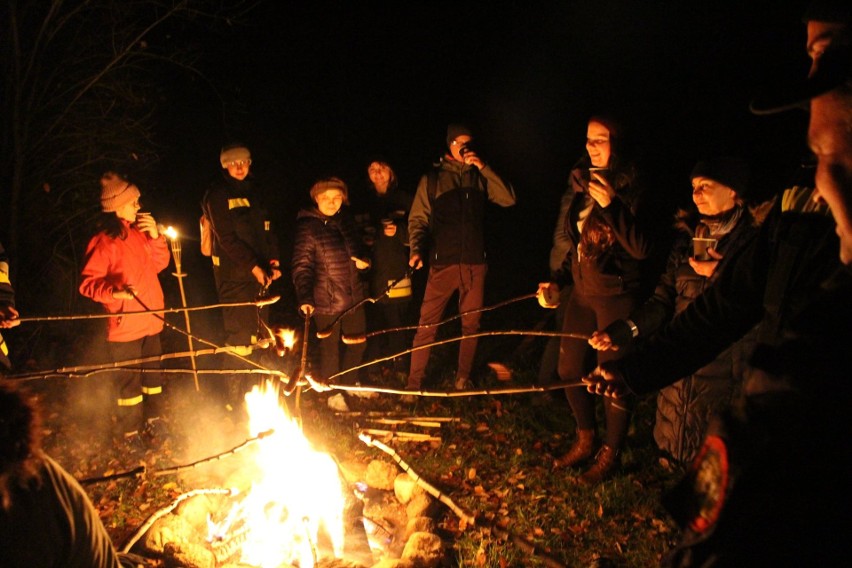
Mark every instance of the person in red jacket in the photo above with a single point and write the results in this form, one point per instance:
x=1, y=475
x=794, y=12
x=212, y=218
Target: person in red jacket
x=120, y=272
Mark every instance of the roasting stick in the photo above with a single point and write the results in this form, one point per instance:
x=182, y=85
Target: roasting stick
x=258, y=303
x=584, y=337
x=468, y=518
x=461, y=513
x=355, y=339
x=324, y=333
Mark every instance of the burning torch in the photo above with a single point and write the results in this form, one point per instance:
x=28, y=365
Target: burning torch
x=174, y=243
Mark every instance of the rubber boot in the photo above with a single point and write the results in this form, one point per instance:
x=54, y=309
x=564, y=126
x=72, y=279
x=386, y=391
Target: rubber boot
x=606, y=460
x=580, y=451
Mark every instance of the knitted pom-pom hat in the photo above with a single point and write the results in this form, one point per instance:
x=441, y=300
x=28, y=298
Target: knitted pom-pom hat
x=330, y=183
x=116, y=192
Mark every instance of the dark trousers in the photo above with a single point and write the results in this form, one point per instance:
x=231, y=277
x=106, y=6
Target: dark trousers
x=443, y=281
x=585, y=315
x=354, y=323
x=547, y=370
x=389, y=315
x=138, y=395
x=240, y=323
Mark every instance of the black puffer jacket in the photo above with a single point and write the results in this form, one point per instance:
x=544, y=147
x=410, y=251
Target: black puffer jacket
x=616, y=270
x=324, y=274
x=685, y=407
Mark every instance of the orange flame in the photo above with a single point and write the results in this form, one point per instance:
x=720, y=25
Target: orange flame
x=298, y=495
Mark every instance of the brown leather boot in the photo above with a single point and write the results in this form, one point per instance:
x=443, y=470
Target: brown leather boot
x=606, y=460
x=580, y=451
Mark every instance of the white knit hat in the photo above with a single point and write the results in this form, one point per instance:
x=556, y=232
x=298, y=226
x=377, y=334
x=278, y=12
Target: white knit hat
x=233, y=154
x=116, y=192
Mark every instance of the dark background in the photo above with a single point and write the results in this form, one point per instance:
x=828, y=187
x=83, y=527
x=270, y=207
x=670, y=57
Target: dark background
x=316, y=88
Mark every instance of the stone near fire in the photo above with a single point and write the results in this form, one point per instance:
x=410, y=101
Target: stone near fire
x=405, y=487
x=197, y=510
x=418, y=524
x=188, y=555
x=381, y=475
x=352, y=470
x=382, y=507
x=424, y=549
x=418, y=506
x=168, y=529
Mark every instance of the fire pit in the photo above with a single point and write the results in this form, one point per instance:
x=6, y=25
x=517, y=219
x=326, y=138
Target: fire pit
x=298, y=508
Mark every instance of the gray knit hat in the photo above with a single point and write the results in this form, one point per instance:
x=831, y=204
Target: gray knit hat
x=233, y=153
x=116, y=192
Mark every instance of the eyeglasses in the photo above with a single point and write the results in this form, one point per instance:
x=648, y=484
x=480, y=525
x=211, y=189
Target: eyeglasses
x=239, y=163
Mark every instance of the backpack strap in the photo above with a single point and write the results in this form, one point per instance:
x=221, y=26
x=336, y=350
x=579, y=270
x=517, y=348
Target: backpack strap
x=432, y=184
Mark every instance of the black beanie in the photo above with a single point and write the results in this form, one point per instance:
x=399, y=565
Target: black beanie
x=456, y=130
x=732, y=172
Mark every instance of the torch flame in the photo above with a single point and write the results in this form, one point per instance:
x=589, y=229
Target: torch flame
x=298, y=494
x=171, y=233
x=285, y=340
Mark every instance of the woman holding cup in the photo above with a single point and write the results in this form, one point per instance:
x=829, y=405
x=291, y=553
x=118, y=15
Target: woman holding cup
x=719, y=225
x=120, y=272
x=605, y=246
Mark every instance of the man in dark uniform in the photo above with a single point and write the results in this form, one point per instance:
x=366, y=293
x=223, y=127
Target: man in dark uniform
x=245, y=249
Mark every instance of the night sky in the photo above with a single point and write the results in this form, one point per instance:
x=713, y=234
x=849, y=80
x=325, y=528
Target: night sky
x=316, y=88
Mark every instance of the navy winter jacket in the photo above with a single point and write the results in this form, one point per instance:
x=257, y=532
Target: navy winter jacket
x=324, y=274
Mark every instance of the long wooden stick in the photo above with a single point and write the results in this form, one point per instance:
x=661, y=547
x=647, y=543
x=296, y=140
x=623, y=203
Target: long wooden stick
x=84, y=370
x=142, y=470
x=259, y=303
x=461, y=513
x=352, y=339
x=435, y=492
x=401, y=436
x=581, y=336
x=324, y=333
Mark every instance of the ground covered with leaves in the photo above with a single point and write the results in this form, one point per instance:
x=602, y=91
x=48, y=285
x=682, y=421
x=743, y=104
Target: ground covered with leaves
x=492, y=455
